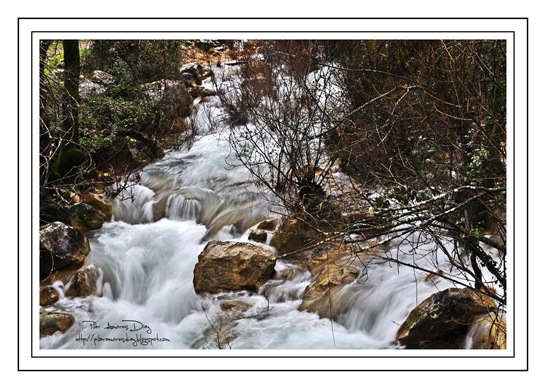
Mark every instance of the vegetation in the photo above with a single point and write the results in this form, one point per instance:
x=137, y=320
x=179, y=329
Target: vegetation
x=97, y=118
x=420, y=126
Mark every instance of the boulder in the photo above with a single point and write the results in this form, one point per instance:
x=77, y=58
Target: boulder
x=293, y=236
x=192, y=71
x=87, y=87
x=103, y=78
x=232, y=266
x=83, y=282
x=233, y=307
x=85, y=217
x=51, y=322
x=48, y=296
x=323, y=294
x=173, y=95
x=61, y=247
x=442, y=320
x=99, y=202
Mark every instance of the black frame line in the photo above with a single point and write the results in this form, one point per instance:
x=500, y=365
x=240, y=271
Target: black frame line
x=33, y=96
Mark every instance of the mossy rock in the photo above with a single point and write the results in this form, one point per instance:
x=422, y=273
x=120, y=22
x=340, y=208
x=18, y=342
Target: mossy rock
x=67, y=160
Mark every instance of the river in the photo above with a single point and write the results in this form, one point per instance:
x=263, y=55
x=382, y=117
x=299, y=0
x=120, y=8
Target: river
x=147, y=252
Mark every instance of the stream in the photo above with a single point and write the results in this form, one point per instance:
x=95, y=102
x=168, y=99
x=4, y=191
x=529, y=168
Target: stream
x=147, y=252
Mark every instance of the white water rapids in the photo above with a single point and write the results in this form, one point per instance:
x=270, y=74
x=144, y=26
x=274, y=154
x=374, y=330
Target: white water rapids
x=147, y=254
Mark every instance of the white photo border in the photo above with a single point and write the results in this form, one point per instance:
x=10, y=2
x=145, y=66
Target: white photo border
x=514, y=30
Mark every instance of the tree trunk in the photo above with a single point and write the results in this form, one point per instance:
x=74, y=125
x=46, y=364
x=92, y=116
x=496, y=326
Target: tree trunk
x=71, y=84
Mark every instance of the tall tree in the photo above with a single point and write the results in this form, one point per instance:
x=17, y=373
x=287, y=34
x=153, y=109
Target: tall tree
x=71, y=83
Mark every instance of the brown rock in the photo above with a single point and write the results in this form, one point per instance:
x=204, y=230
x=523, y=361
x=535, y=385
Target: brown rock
x=234, y=307
x=258, y=235
x=442, y=320
x=200, y=91
x=232, y=266
x=83, y=282
x=323, y=295
x=51, y=322
x=85, y=217
x=48, y=296
x=99, y=202
x=175, y=99
x=293, y=236
x=61, y=247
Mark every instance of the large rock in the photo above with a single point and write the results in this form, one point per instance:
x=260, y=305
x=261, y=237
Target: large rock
x=90, y=211
x=442, y=320
x=88, y=88
x=51, y=322
x=85, y=211
x=292, y=237
x=48, y=295
x=175, y=99
x=324, y=296
x=102, y=78
x=61, y=247
x=192, y=73
x=83, y=282
x=99, y=202
x=85, y=217
x=232, y=266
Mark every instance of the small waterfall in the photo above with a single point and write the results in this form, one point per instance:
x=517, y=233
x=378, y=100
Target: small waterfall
x=181, y=208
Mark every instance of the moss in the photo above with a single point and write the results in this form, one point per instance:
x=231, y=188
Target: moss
x=68, y=159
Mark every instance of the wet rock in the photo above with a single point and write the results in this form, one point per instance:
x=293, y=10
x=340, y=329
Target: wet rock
x=232, y=266
x=51, y=322
x=83, y=282
x=192, y=72
x=234, y=307
x=323, y=294
x=293, y=236
x=488, y=332
x=334, y=251
x=85, y=217
x=52, y=211
x=258, y=235
x=99, y=202
x=61, y=247
x=442, y=320
x=48, y=296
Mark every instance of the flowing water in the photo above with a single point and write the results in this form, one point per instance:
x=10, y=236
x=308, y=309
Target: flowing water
x=147, y=253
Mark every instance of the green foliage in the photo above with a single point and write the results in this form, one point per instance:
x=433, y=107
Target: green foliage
x=123, y=107
x=109, y=119
x=140, y=61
